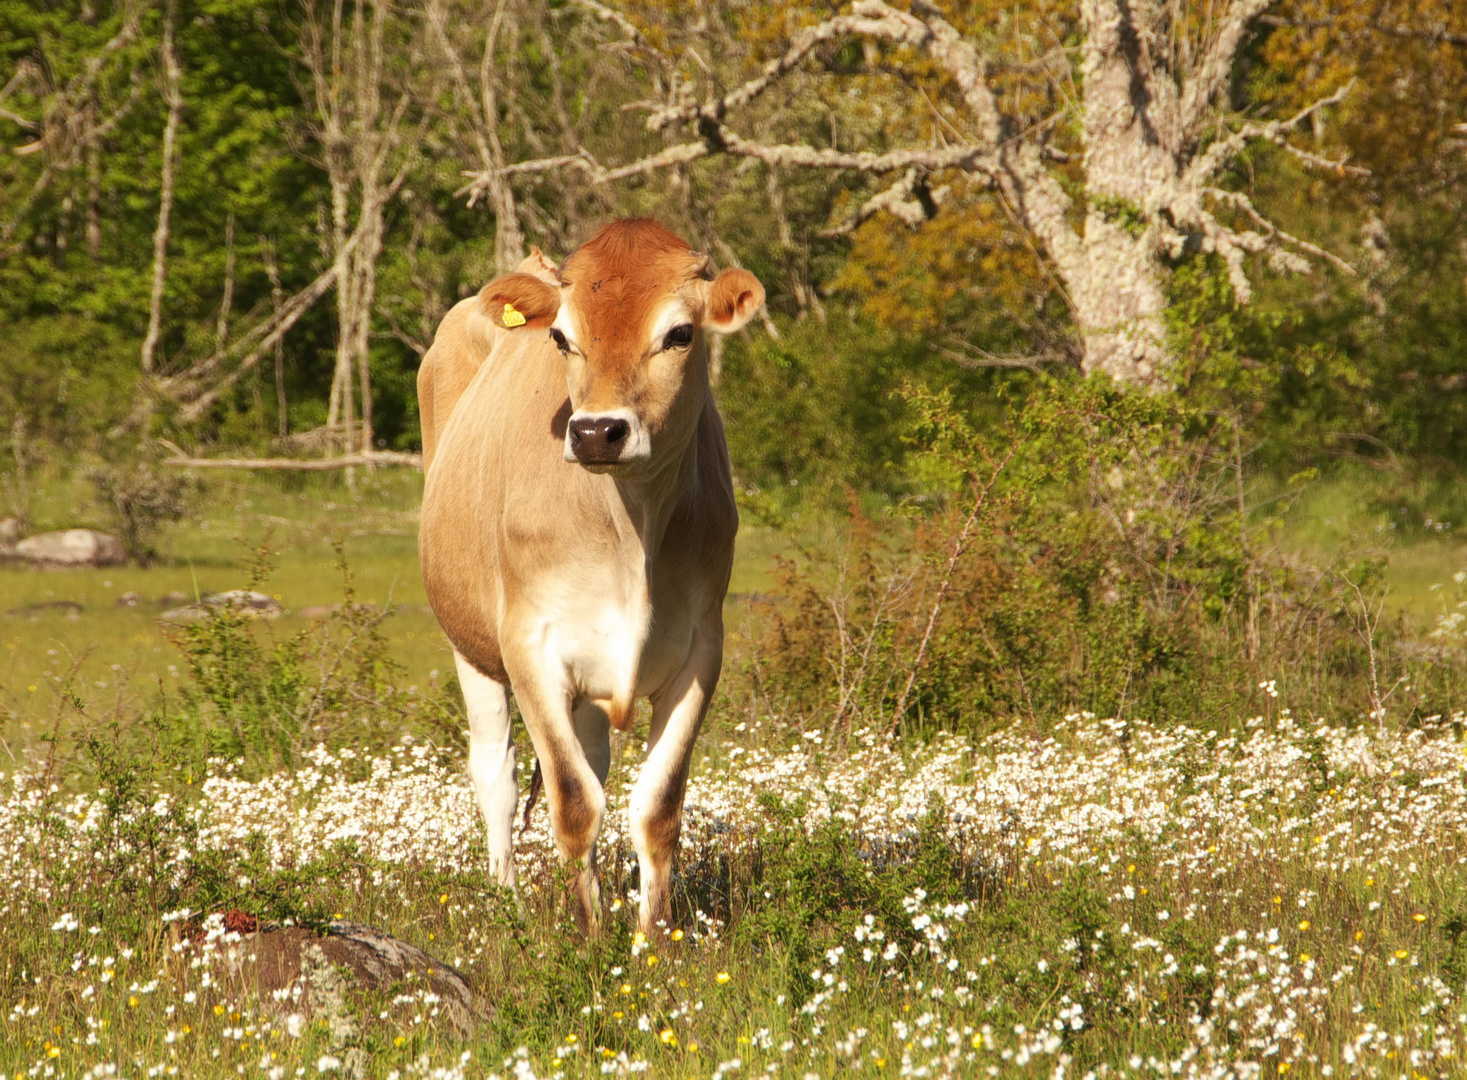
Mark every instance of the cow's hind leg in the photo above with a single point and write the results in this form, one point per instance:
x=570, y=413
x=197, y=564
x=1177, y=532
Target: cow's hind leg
x=656, y=805
x=491, y=764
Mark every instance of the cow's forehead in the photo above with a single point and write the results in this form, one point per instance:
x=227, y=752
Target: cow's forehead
x=623, y=279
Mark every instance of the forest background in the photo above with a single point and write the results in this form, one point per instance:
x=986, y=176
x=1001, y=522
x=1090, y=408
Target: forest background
x=1072, y=306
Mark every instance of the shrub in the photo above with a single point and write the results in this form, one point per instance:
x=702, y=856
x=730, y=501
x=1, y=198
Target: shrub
x=140, y=498
x=252, y=697
x=1096, y=552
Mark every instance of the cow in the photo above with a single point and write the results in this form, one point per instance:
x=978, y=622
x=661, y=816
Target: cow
x=578, y=528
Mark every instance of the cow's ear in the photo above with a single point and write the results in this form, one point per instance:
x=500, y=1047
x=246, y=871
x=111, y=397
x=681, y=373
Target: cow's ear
x=520, y=300
x=537, y=265
x=733, y=298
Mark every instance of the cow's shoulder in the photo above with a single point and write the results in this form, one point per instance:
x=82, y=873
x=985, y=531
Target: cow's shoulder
x=464, y=340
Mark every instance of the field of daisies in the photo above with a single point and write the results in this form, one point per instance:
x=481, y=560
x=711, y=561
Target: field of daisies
x=1110, y=899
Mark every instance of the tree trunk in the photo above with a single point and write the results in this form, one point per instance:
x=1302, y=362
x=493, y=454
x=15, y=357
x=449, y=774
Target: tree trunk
x=174, y=98
x=277, y=297
x=340, y=407
x=1118, y=303
x=1130, y=117
x=94, y=197
x=509, y=239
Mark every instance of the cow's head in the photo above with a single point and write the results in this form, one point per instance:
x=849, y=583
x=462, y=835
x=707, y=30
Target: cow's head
x=627, y=318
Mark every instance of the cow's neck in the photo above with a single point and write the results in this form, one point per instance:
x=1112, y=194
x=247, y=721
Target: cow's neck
x=650, y=502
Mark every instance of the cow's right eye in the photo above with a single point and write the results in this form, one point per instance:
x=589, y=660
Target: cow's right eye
x=559, y=339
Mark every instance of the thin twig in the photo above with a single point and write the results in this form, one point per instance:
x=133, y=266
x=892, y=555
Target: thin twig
x=960, y=545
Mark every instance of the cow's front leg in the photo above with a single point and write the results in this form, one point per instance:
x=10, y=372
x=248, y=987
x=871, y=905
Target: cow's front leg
x=491, y=764
x=656, y=805
x=572, y=787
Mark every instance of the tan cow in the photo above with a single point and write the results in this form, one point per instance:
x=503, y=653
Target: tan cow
x=578, y=527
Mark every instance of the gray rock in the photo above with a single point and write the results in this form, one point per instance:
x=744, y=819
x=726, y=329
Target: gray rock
x=320, y=974
x=69, y=609
x=255, y=604
x=129, y=599
x=9, y=530
x=73, y=547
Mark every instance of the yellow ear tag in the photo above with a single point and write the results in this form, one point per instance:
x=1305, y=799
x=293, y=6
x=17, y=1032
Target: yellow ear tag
x=512, y=317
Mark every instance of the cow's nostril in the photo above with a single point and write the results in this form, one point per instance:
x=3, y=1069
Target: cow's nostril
x=617, y=430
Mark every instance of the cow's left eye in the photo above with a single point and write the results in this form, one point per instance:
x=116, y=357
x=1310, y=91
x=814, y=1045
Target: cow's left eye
x=679, y=337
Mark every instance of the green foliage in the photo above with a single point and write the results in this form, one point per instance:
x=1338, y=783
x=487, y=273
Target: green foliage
x=1122, y=213
x=805, y=891
x=819, y=413
x=1097, y=553
x=266, y=701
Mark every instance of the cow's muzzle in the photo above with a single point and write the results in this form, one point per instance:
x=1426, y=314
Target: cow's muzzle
x=611, y=438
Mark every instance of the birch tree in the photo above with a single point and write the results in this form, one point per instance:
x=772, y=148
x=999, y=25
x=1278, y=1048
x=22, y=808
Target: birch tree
x=1115, y=166
x=363, y=79
x=174, y=97
x=480, y=103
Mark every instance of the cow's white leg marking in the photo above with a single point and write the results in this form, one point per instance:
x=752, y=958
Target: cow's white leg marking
x=572, y=787
x=491, y=764
x=656, y=804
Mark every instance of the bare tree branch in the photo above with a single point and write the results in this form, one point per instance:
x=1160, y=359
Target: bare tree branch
x=805, y=43
x=620, y=21
x=909, y=200
x=1240, y=201
x=509, y=241
x=182, y=460
x=1222, y=151
x=1212, y=75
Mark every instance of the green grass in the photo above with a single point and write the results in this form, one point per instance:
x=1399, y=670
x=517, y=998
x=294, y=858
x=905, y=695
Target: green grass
x=125, y=651
x=1421, y=530
x=1260, y=902
x=123, y=654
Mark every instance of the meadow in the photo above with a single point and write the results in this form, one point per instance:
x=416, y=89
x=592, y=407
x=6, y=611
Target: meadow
x=1269, y=894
